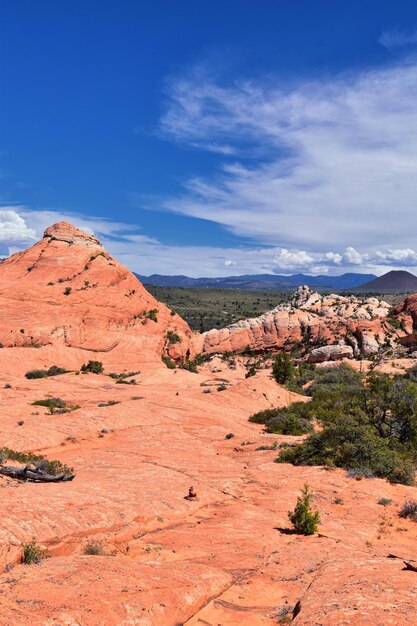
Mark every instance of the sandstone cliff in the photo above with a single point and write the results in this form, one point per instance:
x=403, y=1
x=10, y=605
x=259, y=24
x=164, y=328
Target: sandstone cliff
x=348, y=325
x=67, y=290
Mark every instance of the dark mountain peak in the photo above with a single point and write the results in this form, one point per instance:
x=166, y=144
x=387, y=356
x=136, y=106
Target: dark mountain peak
x=394, y=281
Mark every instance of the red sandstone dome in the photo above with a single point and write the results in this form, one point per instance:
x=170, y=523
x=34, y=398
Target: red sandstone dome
x=67, y=290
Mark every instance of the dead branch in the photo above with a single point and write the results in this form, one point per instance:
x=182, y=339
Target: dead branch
x=33, y=473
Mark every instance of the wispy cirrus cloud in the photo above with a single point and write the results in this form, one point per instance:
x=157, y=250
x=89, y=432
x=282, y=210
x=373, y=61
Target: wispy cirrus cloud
x=320, y=164
x=320, y=175
x=396, y=39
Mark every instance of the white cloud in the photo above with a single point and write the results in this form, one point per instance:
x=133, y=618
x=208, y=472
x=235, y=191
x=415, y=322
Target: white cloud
x=13, y=228
x=393, y=39
x=333, y=257
x=146, y=255
x=406, y=257
x=352, y=256
x=335, y=165
x=287, y=260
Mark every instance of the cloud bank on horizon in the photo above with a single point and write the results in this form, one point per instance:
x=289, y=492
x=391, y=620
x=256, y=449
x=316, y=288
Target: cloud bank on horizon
x=320, y=175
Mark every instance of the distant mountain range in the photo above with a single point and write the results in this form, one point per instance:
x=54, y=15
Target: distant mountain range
x=263, y=281
x=396, y=281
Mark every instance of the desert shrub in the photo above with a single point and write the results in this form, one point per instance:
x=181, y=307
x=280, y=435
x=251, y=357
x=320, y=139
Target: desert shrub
x=168, y=362
x=151, y=315
x=291, y=420
x=409, y=510
x=190, y=366
x=56, y=405
x=286, y=423
x=123, y=381
x=283, y=368
x=54, y=370
x=67, y=291
x=263, y=416
x=51, y=467
x=93, y=548
x=124, y=375
x=369, y=425
x=95, y=367
x=304, y=520
x=229, y=436
x=33, y=553
x=221, y=387
x=251, y=371
x=173, y=337
x=411, y=374
x=385, y=501
x=51, y=403
x=36, y=374
x=302, y=374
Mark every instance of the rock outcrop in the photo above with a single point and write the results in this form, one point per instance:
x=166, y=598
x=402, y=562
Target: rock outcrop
x=330, y=353
x=124, y=545
x=346, y=324
x=67, y=290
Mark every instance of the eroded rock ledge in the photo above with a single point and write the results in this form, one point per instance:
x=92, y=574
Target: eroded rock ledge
x=334, y=326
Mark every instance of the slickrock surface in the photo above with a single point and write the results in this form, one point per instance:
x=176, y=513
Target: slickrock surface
x=226, y=557
x=360, y=326
x=67, y=290
x=221, y=559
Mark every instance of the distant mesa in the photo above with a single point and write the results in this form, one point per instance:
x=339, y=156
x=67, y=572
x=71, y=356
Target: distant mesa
x=396, y=281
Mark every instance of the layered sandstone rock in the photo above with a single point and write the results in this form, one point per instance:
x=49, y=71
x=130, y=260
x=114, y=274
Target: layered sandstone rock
x=346, y=324
x=330, y=353
x=407, y=313
x=67, y=290
x=125, y=545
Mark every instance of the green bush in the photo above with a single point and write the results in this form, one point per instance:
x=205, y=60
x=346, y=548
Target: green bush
x=54, y=370
x=409, y=510
x=286, y=423
x=94, y=548
x=291, y=420
x=32, y=553
x=168, y=362
x=190, y=366
x=173, y=338
x=51, y=403
x=304, y=520
x=51, y=467
x=151, y=315
x=56, y=405
x=368, y=425
x=95, y=367
x=283, y=368
x=124, y=375
x=36, y=374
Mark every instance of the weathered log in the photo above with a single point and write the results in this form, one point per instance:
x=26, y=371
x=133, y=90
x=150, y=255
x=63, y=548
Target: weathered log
x=410, y=564
x=31, y=473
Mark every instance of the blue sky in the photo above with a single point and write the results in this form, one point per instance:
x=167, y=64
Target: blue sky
x=214, y=137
